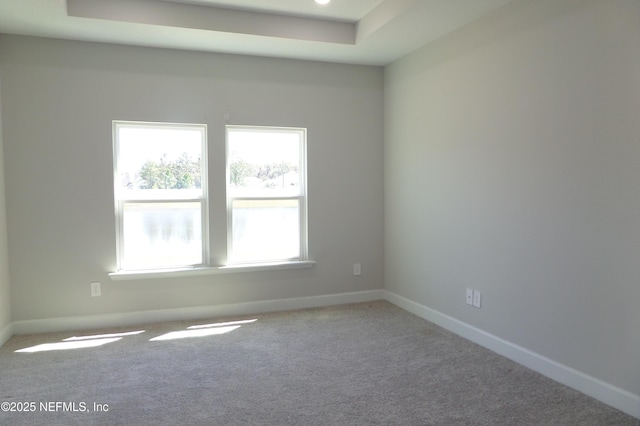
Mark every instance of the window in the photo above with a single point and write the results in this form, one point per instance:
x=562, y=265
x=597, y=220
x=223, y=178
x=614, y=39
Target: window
x=161, y=200
x=266, y=194
x=160, y=180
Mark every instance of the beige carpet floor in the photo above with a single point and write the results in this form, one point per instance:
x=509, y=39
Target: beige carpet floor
x=359, y=364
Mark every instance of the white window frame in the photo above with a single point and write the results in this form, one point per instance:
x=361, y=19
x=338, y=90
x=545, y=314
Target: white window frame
x=121, y=200
x=301, y=197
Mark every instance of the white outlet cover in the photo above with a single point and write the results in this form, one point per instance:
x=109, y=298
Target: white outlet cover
x=477, y=298
x=95, y=289
x=357, y=269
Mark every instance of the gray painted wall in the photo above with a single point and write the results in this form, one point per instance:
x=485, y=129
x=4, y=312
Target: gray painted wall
x=5, y=289
x=59, y=99
x=512, y=166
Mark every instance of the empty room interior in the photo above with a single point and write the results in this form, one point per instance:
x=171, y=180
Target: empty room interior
x=475, y=163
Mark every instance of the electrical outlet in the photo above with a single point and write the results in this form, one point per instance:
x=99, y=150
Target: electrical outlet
x=477, y=297
x=95, y=289
x=357, y=269
x=469, y=297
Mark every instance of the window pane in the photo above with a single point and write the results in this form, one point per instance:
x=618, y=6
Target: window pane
x=264, y=163
x=161, y=235
x=265, y=230
x=159, y=162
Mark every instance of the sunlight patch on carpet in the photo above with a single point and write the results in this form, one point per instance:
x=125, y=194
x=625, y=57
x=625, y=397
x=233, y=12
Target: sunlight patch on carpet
x=103, y=336
x=204, y=330
x=60, y=346
x=194, y=333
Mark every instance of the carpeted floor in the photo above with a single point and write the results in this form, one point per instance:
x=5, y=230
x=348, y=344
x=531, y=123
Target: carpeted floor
x=360, y=364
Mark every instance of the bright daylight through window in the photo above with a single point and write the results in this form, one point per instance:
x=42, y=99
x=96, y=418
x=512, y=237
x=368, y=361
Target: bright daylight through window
x=266, y=194
x=160, y=195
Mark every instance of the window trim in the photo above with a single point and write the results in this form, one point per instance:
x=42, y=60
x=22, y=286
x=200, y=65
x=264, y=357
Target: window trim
x=303, y=255
x=210, y=270
x=120, y=202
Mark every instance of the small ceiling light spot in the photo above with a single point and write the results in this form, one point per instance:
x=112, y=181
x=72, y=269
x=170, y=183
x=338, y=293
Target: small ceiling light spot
x=323, y=1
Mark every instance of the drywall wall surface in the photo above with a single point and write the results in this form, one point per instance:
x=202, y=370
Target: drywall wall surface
x=59, y=100
x=5, y=289
x=511, y=167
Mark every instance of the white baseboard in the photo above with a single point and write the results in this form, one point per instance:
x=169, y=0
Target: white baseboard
x=611, y=395
x=199, y=312
x=6, y=333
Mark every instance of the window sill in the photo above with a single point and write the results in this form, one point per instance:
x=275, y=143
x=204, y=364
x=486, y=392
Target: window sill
x=209, y=270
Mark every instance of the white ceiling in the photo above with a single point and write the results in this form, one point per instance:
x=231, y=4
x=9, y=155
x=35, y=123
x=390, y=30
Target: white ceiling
x=370, y=32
